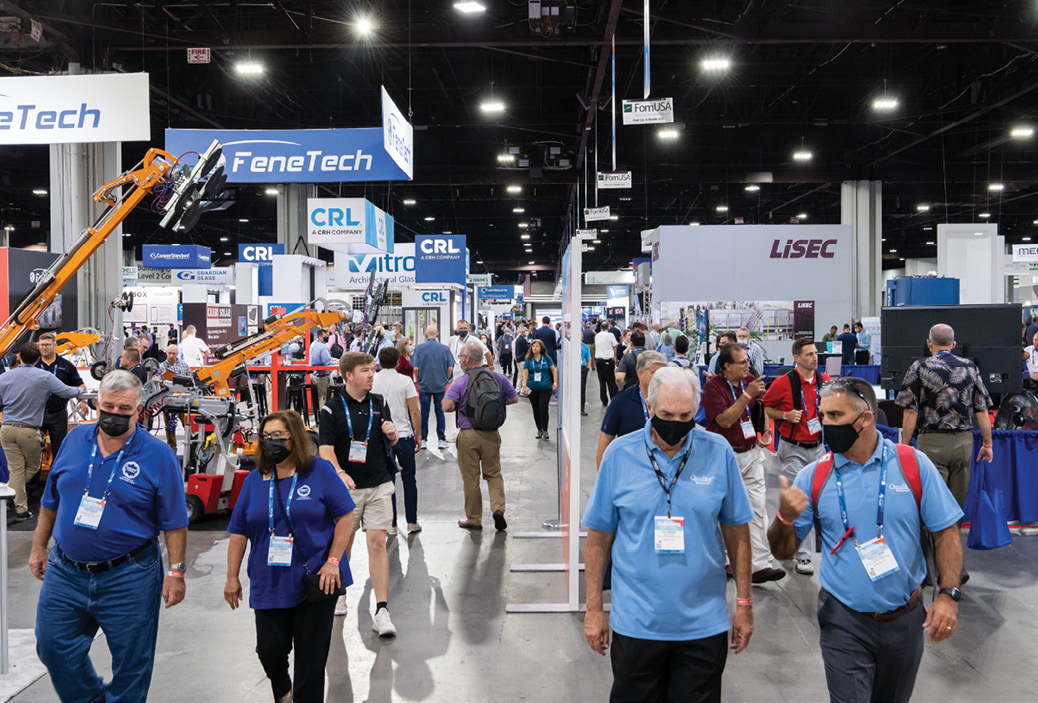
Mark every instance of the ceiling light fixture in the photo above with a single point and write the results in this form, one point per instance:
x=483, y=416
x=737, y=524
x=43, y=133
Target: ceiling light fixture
x=802, y=155
x=410, y=201
x=922, y=208
x=242, y=219
x=514, y=189
x=505, y=158
x=364, y=26
x=996, y=187
x=223, y=239
x=722, y=208
x=469, y=8
x=614, y=217
x=1025, y=239
x=519, y=210
x=430, y=218
x=752, y=188
x=984, y=215
x=884, y=104
x=249, y=68
x=1021, y=132
x=667, y=134
x=524, y=236
x=524, y=225
x=930, y=244
x=893, y=251
x=39, y=191
x=802, y=216
x=531, y=263
x=716, y=65
x=271, y=191
x=492, y=107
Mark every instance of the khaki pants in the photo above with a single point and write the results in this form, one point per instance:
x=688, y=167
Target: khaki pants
x=952, y=454
x=321, y=383
x=751, y=466
x=23, y=447
x=479, y=451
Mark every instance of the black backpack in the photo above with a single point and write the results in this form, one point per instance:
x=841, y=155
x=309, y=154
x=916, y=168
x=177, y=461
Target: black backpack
x=484, y=402
x=336, y=349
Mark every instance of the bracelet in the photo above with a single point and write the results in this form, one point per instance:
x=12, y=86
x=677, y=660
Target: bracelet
x=747, y=396
x=988, y=446
x=178, y=574
x=744, y=601
x=333, y=560
x=784, y=521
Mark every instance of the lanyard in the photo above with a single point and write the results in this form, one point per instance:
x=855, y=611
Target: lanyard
x=641, y=398
x=803, y=401
x=662, y=478
x=735, y=396
x=349, y=422
x=270, y=499
x=943, y=351
x=115, y=467
x=879, y=510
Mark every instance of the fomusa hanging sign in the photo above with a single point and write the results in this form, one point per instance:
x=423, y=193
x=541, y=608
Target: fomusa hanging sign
x=607, y=179
x=648, y=111
x=592, y=214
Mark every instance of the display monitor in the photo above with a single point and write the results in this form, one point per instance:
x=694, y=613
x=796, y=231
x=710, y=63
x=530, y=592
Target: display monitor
x=988, y=335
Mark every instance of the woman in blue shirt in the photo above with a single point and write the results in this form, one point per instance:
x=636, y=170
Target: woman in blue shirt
x=539, y=382
x=292, y=493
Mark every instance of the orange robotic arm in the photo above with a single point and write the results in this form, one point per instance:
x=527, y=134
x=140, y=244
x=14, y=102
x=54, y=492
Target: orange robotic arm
x=69, y=342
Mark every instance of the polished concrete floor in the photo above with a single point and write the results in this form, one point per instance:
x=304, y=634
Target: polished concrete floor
x=449, y=590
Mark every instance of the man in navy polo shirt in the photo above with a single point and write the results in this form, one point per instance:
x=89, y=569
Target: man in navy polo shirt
x=111, y=489
x=869, y=612
x=628, y=411
x=667, y=502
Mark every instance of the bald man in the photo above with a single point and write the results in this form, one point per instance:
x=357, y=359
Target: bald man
x=433, y=365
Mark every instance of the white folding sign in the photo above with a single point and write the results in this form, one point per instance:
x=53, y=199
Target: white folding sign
x=608, y=179
x=591, y=214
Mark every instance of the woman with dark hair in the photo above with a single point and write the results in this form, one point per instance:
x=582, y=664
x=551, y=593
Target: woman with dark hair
x=539, y=382
x=298, y=516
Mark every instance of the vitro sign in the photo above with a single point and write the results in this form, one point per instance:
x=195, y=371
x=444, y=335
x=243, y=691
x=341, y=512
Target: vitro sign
x=353, y=271
x=803, y=249
x=648, y=111
x=608, y=180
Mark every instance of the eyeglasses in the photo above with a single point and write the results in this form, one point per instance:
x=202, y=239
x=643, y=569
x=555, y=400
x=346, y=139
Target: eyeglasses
x=274, y=435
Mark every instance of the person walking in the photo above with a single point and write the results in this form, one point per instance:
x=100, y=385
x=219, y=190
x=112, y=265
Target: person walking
x=549, y=338
x=296, y=516
x=870, y=610
x=540, y=380
x=680, y=359
x=320, y=355
x=405, y=345
x=504, y=350
x=519, y=349
x=605, y=365
x=461, y=337
x=626, y=374
x=479, y=450
x=111, y=490
x=25, y=391
x=399, y=393
x=629, y=410
x=55, y=414
x=433, y=365
x=586, y=363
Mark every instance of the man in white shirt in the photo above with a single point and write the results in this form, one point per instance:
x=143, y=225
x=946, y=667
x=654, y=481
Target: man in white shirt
x=460, y=339
x=192, y=348
x=400, y=394
x=1032, y=361
x=605, y=364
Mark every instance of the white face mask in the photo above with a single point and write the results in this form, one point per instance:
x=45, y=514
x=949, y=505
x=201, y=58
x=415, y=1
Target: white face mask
x=744, y=342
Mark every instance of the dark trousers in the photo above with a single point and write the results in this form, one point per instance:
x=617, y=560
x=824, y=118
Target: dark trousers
x=583, y=386
x=506, y=363
x=539, y=402
x=867, y=660
x=606, y=379
x=55, y=424
x=307, y=628
x=688, y=671
x=404, y=452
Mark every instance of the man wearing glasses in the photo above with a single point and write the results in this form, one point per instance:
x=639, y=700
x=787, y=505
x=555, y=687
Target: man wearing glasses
x=868, y=499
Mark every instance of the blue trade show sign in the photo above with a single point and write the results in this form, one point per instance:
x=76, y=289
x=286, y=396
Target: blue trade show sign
x=263, y=255
x=176, y=256
x=497, y=293
x=440, y=258
x=294, y=155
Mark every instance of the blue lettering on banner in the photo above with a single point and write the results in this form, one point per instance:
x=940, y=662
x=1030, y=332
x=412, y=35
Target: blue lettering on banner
x=294, y=156
x=175, y=257
x=432, y=296
x=440, y=258
x=263, y=255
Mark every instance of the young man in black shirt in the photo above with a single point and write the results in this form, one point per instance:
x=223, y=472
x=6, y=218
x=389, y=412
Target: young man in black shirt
x=55, y=416
x=357, y=435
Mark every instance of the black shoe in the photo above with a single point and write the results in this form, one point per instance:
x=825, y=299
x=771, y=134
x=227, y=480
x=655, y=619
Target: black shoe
x=728, y=573
x=765, y=575
x=583, y=412
x=20, y=517
x=499, y=521
x=965, y=578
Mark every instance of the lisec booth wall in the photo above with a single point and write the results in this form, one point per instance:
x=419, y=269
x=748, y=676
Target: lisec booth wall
x=744, y=266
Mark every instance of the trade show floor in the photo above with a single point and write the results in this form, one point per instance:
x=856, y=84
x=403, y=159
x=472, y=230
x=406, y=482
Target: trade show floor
x=448, y=593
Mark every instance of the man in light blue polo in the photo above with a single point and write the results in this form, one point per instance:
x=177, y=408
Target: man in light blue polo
x=320, y=356
x=433, y=365
x=871, y=618
x=668, y=501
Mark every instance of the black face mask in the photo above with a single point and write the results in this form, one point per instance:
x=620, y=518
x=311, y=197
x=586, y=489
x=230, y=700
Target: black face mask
x=840, y=438
x=113, y=424
x=462, y=334
x=672, y=432
x=275, y=450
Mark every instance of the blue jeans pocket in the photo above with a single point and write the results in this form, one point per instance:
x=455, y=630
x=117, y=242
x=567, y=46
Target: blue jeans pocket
x=146, y=560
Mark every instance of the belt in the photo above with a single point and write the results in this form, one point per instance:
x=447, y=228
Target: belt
x=99, y=567
x=805, y=445
x=895, y=614
x=937, y=431
x=743, y=450
x=20, y=424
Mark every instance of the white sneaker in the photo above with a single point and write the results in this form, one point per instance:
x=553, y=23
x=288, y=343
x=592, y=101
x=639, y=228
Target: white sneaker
x=413, y=527
x=803, y=566
x=340, y=606
x=442, y=444
x=382, y=624
x=391, y=532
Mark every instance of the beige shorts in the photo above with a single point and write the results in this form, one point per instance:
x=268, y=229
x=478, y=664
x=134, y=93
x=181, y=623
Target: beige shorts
x=374, y=509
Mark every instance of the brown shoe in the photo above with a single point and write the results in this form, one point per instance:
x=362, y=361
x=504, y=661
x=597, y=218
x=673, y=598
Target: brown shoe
x=466, y=525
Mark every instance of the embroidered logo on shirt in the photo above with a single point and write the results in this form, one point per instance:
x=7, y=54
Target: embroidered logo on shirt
x=899, y=487
x=131, y=470
x=702, y=480
x=303, y=493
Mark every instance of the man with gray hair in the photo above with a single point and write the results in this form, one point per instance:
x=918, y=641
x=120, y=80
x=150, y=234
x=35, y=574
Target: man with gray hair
x=755, y=351
x=479, y=450
x=111, y=490
x=628, y=411
x=665, y=500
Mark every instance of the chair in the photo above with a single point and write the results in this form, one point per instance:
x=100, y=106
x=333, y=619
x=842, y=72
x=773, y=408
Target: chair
x=833, y=366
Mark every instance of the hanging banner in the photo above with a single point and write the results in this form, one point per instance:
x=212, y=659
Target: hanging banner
x=440, y=258
x=175, y=256
x=645, y=30
x=397, y=136
x=353, y=270
x=648, y=111
x=500, y=293
x=335, y=222
x=217, y=278
x=614, y=180
x=263, y=256
x=592, y=214
x=612, y=106
x=1025, y=252
x=587, y=233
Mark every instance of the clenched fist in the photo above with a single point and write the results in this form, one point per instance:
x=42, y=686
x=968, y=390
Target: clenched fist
x=792, y=500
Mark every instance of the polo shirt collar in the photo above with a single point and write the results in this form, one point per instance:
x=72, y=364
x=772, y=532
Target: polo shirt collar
x=840, y=461
x=685, y=448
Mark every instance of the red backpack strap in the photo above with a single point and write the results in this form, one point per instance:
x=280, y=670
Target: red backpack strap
x=910, y=469
x=822, y=470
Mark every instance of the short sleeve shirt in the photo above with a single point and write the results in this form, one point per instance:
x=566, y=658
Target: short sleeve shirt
x=946, y=390
x=780, y=397
x=334, y=431
x=67, y=373
x=432, y=358
x=458, y=393
x=718, y=396
x=538, y=370
x=629, y=367
x=604, y=345
x=626, y=413
x=396, y=389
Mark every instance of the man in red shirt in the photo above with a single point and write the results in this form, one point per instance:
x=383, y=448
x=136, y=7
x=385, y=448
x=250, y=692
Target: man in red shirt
x=727, y=401
x=792, y=401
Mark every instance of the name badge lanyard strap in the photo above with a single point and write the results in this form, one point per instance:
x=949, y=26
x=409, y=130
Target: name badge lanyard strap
x=115, y=467
x=288, y=505
x=349, y=422
x=849, y=531
x=735, y=396
x=803, y=402
x=645, y=410
x=661, y=477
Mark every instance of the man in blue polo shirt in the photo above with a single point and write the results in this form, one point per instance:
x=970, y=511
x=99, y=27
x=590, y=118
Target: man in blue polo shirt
x=628, y=411
x=111, y=489
x=433, y=365
x=870, y=614
x=667, y=502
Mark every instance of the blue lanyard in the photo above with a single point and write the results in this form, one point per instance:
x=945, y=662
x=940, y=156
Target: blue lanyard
x=641, y=398
x=735, y=396
x=881, y=499
x=270, y=499
x=803, y=401
x=115, y=467
x=943, y=351
x=349, y=422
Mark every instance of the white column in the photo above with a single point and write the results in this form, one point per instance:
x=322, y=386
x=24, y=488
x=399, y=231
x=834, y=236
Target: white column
x=861, y=207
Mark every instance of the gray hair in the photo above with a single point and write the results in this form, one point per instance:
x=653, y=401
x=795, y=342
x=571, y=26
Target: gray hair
x=743, y=329
x=942, y=335
x=650, y=358
x=858, y=392
x=672, y=376
x=471, y=351
x=667, y=340
x=118, y=381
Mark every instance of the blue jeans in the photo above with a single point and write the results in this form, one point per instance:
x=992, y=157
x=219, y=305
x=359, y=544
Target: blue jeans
x=441, y=420
x=404, y=451
x=124, y=602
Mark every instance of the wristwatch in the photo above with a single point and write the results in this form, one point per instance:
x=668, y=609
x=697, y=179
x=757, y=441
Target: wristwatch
x=182, y=567
x=954, y=593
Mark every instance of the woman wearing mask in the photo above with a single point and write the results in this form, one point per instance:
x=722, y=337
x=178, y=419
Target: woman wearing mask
x=298, y=516
x=405, y=346
x=490, y=348
x=539, y=382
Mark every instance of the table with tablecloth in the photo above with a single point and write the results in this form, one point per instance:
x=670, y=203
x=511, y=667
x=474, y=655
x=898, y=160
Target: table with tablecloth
x=868, y=372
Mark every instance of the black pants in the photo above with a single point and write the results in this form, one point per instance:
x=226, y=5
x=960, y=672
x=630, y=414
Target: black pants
x=55, y=425
x=506, y=363
x=583, y=386
x=688, y=671
x=606, y=379
x=307, y=628
x=867, y=660
x=539, y=402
